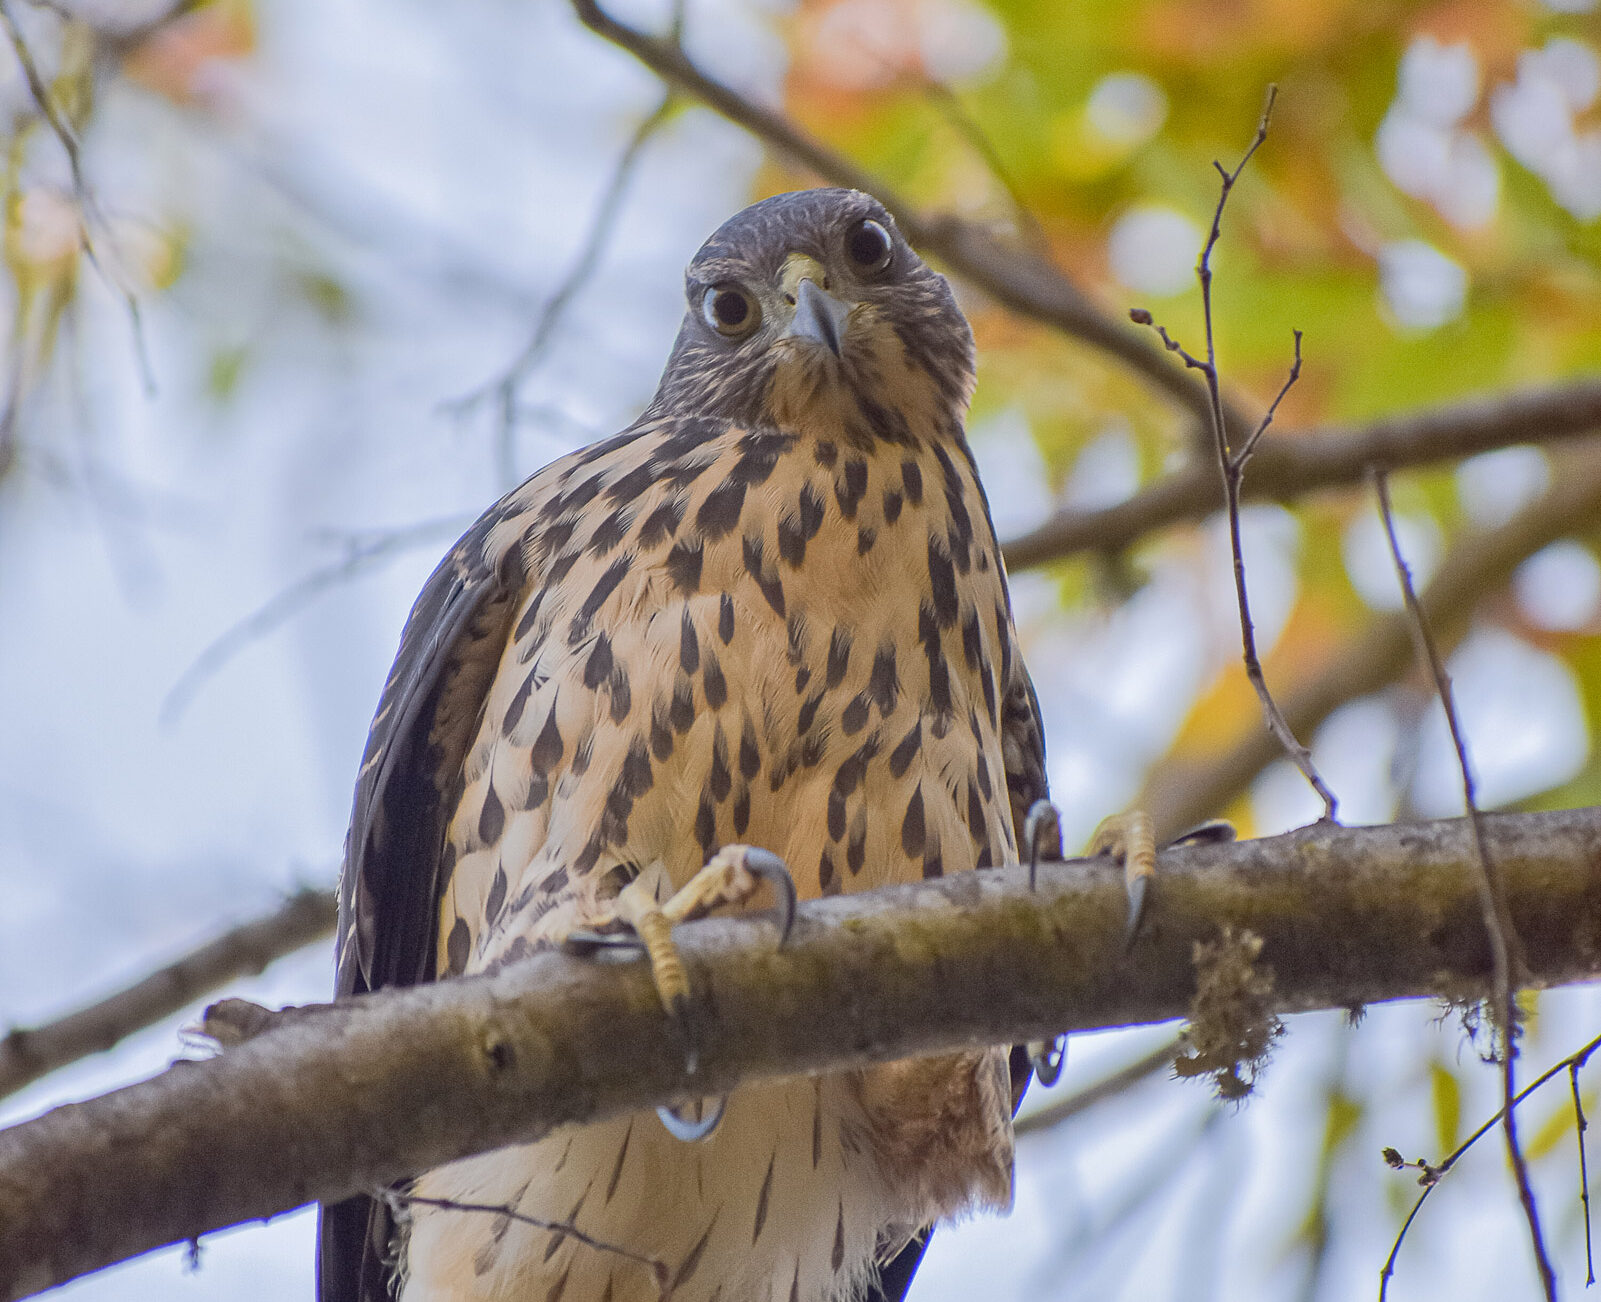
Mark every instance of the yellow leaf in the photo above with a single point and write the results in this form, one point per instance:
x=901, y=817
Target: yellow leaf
x=1446, y=1092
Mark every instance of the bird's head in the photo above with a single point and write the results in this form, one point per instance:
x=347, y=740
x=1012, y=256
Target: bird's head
x=811, y=312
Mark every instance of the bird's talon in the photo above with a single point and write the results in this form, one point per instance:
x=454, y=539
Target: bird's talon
x=1215, y=831
x=1043, y=818
x=770, y=868
x=1047, y=1057
x=1129, y=837
x=681, y=1018
x=692, y=1131
x=1138, y=890
x=586, y=943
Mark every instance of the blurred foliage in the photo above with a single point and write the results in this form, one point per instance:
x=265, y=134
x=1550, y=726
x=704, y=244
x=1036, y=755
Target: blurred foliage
x=1073, y=123
x=1089, y=129
x=1394, y=144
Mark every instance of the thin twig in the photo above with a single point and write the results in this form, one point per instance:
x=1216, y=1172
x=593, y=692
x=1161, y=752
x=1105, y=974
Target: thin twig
x=1580, y=1124
x=1179, y=793
x=1231, y=465
x=1092, y=1249
x=87, y=206
x=362, y=554
x=27, y=1053
x=1240, y=457
x=1497, y=917
x=1433, y=1174
x=503, y=387
x=399, y=1200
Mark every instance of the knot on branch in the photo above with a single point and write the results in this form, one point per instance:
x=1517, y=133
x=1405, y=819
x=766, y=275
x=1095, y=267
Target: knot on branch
x=1232, y=1024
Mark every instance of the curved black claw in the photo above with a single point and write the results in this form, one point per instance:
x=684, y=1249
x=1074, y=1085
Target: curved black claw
x=1047, y=1057
x=1215, y=831
x=770, y=868
x=682, y=1022
x=1139, y=894
x=1043, y=817
x=692, y=1131
x=613, y=946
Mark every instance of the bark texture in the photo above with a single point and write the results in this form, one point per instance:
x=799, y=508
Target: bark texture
x=322, y=1101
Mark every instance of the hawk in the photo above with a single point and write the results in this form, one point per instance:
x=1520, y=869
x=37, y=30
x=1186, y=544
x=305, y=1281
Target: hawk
x=771, y=613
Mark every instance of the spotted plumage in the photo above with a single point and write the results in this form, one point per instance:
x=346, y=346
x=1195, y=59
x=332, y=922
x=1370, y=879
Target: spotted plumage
x=772, y=611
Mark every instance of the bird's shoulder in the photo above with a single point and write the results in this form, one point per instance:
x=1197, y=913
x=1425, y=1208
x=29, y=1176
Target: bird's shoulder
x=556, y=533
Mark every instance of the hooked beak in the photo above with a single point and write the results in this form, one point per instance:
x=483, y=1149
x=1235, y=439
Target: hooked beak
x=819, y=316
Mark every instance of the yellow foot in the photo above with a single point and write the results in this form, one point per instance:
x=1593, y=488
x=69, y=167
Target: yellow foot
x=1129, y=837
x=731, y=877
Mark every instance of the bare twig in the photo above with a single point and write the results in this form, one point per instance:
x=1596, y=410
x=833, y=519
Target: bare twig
x=1243, y=453
x=1231, y=464
x=1581, y=1124
x=355, y=1095
x=1498, y=926
x=1178, y=794
x=1015, y=278
x=362, y=553
x=399, y=1200
x=1432, y=1174
x=503, y=387
x=88, y=207
x=27, y=1053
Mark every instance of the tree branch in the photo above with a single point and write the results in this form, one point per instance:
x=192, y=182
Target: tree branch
x=1179, y=795
x=336, y=1098
x=1014, y=277
x=1290, y=465
x=27, y=1053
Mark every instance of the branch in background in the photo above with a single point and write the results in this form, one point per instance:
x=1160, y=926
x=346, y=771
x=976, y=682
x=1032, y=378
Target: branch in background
x=1082, y=1100
x=362, y=552
x=503, y=388
x=400, y=1202
x=333, y=1099
x=1505, y=951
x=949, y=105
x=1291, y=465
x=1179, y=795
x=27, y=1053
x=1014, y=278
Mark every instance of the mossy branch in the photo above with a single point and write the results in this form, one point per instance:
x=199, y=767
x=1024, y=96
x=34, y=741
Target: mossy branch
x=324, y=1101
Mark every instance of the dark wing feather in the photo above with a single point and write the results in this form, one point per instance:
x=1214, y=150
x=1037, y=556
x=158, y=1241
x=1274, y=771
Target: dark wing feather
x=1023, y=750
x=388, y=889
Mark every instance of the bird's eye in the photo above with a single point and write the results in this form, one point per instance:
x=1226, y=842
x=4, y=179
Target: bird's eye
x=730, y=311
x=869, y=246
